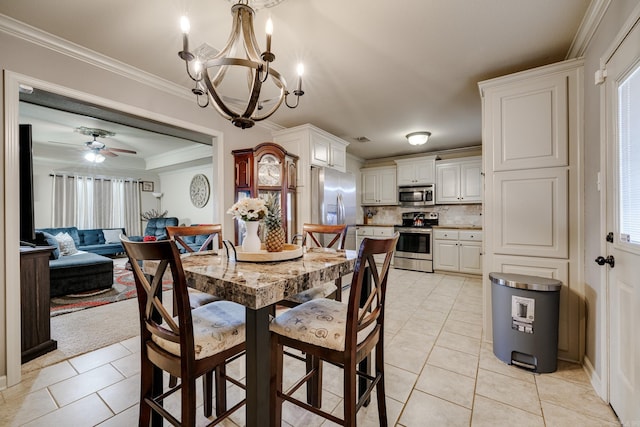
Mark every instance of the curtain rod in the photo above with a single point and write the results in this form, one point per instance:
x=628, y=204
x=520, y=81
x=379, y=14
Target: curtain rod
x=103, y=178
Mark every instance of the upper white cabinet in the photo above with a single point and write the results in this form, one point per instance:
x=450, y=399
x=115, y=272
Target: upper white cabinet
x=328, y=151
x=324, y=149
x=459, y=181
x=416, y=171
x=532, y=150
x=379, y=186
x=530, y=124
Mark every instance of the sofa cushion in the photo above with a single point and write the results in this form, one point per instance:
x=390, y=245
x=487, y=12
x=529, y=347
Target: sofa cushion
x=91, y=237
x=52, y=241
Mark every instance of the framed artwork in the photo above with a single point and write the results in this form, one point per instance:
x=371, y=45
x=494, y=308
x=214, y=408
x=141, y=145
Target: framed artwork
x=147, y=185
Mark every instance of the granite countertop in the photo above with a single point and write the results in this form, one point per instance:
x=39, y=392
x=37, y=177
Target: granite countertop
x=459, y=226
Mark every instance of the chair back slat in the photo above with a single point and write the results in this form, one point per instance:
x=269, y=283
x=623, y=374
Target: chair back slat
x=311, y=235
x=210, y=230
x=155, y=318
x=363, y=314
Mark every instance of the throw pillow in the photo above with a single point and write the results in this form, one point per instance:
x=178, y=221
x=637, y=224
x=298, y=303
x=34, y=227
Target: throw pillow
x=149, y=239
x=112, y=236
x=67, y=245
x=51, y=241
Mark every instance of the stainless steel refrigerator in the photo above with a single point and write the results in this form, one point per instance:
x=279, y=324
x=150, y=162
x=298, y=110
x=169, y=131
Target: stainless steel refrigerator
x=333, y=200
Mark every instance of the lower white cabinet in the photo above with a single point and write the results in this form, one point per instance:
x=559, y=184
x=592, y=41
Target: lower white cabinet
x=380, y=232
x=458, y=250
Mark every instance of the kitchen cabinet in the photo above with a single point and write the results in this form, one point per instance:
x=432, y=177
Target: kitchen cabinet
x=416, y=171
x=379, y=186
x=381, y=232
x=459, y=181
x=532, y=159
x=324, y=149
x=458, y=250
x=328, y=151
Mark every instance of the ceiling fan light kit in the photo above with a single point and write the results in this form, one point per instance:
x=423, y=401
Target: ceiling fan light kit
x=94, y=157
x=209, y=71
x=418, y=138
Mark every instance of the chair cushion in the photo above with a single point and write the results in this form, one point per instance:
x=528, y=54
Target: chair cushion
x=320, y=322
x=216, y=327
x=310, y=294
x=198, y=298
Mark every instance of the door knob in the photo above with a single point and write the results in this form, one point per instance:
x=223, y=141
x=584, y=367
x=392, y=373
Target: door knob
x=608, y=260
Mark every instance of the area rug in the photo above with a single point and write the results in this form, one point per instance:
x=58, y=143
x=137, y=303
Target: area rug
x=123, y=288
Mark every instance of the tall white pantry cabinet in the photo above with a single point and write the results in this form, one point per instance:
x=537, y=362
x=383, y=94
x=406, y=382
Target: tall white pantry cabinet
x=532, y=159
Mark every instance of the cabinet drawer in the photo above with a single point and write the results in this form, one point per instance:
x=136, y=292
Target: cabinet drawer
x=383, y=231
x=445, y=234
x=471, y=235
x=364, y=231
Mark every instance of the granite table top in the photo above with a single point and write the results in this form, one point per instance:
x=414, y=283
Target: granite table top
x=257, y=285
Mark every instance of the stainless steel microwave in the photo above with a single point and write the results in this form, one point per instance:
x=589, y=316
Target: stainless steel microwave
x=416, y=196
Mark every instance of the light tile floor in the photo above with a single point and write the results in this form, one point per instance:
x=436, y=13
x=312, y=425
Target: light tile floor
x=438, y=373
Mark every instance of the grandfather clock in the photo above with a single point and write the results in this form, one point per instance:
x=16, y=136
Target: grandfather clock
x=267, y=169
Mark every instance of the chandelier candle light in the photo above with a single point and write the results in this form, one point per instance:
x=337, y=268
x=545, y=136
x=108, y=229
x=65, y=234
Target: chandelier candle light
x=208, y=71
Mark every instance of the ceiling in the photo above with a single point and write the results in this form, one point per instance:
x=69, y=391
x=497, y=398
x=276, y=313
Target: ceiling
x=376, y=69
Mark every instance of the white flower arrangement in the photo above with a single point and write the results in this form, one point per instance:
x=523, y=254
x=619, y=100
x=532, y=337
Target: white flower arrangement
x=249, y=209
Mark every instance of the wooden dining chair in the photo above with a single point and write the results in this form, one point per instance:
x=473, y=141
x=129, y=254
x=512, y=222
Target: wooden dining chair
x=320, y=236
x=341, y=334
x=202, y=235
x=188, y=344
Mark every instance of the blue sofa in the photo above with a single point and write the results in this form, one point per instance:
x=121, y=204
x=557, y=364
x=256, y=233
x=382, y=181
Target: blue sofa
x=80, y=272
x=90, y=240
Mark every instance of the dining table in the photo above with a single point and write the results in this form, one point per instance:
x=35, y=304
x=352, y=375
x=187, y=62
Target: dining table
x=258, y=286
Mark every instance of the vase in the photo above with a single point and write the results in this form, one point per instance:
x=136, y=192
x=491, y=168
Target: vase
x=251, y=241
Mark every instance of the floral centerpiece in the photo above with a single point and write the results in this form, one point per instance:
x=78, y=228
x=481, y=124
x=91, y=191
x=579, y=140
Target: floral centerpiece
x=251, y=211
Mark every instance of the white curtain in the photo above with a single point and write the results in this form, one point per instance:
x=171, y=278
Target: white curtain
x=89, y=202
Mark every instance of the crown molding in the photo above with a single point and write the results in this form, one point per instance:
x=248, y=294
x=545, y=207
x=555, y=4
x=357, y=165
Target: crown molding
x=588, y=27
x=52, y=42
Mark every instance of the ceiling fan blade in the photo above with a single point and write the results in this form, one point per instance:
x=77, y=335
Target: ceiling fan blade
x=122, y=150
x=107, y=152
x=66, y=143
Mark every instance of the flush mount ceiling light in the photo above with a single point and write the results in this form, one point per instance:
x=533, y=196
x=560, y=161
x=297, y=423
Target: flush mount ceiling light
x=209, y=71
x=418, y=138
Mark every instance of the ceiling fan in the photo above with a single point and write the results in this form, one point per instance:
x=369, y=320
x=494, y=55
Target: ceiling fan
x=96, y=147
x=96, y=150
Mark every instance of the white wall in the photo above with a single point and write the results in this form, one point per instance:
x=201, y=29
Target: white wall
x=54, y=65
x=176, y=199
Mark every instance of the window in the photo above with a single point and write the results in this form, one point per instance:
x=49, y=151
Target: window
x=629, y=158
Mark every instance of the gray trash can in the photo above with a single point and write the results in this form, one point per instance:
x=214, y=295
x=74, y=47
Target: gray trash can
x=525, y=320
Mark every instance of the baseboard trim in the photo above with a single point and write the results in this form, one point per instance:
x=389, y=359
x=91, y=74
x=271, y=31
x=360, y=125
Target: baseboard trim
x=594, y=379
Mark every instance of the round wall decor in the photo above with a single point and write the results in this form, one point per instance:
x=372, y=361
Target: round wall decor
x=199, y=190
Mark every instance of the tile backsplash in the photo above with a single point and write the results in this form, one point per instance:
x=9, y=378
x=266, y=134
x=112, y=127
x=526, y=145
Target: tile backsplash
x=448, y=214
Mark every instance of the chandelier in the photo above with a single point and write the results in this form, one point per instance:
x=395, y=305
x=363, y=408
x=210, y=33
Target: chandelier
x=208, y=71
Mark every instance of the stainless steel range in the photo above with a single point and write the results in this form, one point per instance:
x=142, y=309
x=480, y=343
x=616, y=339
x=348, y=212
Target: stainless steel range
x=414, y=250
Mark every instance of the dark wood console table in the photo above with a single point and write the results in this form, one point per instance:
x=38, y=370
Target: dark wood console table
x=35, y=304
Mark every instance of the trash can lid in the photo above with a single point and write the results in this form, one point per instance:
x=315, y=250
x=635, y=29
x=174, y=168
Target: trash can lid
x=523, y=281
